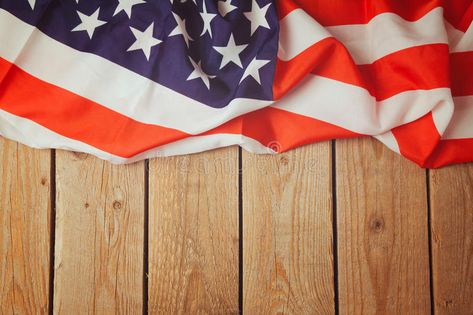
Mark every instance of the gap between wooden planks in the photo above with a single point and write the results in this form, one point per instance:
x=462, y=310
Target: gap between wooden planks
x=298, y=256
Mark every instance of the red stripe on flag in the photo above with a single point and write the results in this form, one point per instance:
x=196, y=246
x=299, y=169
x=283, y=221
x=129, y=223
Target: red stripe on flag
x=274, y=127
x=388, y=76
x=418, y=139
x=451, y=151
x=461, y=65
x=75, y=117
x=289, y=130
x=285, y=7
x=327, y=56
x=416, y=68
x=342, y=12
x=392, y=74
x=459, y=13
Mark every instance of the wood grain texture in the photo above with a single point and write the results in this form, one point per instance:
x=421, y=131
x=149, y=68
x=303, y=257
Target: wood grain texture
x=287, y=232
x=25, y=210
x=99, y=236
x=193, y=233
x=383, y=255
x=451, y=197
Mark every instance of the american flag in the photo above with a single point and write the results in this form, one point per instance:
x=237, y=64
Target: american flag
x=132, y=79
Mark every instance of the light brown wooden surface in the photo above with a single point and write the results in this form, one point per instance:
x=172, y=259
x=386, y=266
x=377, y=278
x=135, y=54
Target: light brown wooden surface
x=193, y=234
x=25, y=210
x=287, y=232
x=382, y=217
x=98, y=267
x=214, y=239
x=451, y=190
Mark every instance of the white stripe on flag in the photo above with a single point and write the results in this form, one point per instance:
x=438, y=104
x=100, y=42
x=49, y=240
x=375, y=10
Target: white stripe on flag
x=297, y=32
x=387, y=33
x=353, y=108
x=384, y=34
x=459, y=41
x=461, y=125
x=442, y=114
x=389, y=140
x=34, y=135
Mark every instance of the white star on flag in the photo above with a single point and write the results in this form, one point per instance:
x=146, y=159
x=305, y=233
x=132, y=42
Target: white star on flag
x=253, y=69
x=198, y=73
x=225, y=7
x=180, y=29
x=207, y=18
x=230, y=53
x=257, y=16
x=127, y=5
x=144, y=40
x=89, y=23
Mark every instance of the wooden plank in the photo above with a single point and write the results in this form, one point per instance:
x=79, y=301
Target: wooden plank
x=382, y=221
x=25, y=210
x=99, y=236
x=287, y=232
x=452, y=238
x=193, y=233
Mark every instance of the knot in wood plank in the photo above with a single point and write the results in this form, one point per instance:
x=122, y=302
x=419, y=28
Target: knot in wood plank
x=377, y=224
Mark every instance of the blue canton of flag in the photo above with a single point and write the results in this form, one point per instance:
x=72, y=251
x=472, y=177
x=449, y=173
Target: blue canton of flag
x=211, y=51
